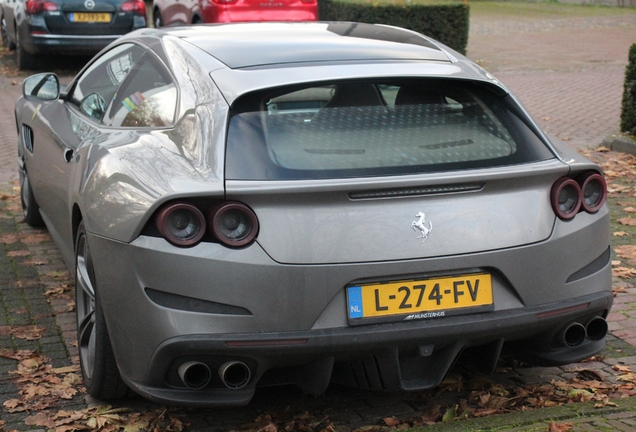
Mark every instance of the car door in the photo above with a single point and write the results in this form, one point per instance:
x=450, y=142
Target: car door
x=60, y=128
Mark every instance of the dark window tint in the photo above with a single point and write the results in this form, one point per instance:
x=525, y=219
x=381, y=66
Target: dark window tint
x=353, y=129
x=97, y=86
x=147, y=98
x=127, y=87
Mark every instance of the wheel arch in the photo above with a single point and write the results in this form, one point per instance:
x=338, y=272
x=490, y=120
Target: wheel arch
x=76, y=219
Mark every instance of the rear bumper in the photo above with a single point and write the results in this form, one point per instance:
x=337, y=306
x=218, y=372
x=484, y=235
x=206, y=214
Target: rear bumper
x=166, y=306
x=68, y=44
x=37, y=38
x=388, y=357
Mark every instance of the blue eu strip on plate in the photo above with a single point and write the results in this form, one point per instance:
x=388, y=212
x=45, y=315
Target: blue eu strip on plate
x=354, y=295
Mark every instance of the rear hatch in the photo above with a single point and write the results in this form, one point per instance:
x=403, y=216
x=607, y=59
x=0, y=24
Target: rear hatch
x=90, y=18
x=389, y=170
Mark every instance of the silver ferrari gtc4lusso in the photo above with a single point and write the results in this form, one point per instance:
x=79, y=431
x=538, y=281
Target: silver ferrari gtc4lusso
x=269, y=203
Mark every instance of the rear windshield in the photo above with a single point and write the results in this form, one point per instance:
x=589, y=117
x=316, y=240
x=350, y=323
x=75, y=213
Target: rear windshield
x=354, y=129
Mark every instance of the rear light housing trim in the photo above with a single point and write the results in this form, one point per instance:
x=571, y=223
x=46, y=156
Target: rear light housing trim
x=230, y=223
x=588, y=191
x=563, y=190
x=240, y=216
x=197, y=221
x=590, y=181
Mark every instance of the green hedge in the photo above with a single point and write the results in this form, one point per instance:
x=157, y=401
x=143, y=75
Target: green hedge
x=445, y=23
x=628, y=111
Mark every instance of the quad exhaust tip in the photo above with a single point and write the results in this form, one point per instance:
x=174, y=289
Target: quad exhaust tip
x=576, y=333
x=235, y=374
x=194, y=374
x=596, y=328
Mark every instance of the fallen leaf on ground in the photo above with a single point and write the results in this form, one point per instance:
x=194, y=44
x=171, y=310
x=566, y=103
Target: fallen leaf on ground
x=391, y=421
x=560, y=427
x=624, y=272
x=618, y=290
x=590, y=375
x=626, y=251
x=9, y=238
x=32, y=239
x=39, y=419
x=28, y=332
x=18, y=253
x=627, y=221
x=17, y=355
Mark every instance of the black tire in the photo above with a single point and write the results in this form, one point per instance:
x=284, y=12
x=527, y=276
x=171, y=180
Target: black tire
x=99, y=368
x=30, y=207
x=23, y=59
x=157, y=20
x=5, y=35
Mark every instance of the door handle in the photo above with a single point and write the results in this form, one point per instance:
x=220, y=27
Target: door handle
x=68, y=154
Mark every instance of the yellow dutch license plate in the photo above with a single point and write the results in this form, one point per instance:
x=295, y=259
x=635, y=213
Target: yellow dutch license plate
x=420, y=299
x=82, y=17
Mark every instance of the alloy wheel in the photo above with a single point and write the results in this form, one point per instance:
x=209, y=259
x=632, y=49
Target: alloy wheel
x=24, y=193
x=85, y=306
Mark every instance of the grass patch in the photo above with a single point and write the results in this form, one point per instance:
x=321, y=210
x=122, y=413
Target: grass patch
x=542, y=10
x=517, y=9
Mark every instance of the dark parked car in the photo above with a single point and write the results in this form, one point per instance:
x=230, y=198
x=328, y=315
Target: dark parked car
x=266, y=203
x=33, y=27
x=179, y=12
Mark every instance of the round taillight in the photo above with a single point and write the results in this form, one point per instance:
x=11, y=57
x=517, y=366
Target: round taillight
x=32, y=7
x=181, y=223
x=232, y=223
x=566, y=198
x=135, y=6
x=594, y=191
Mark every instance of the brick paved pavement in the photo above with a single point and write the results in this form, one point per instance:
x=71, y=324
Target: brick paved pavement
x=568, y=73
x=10, y=90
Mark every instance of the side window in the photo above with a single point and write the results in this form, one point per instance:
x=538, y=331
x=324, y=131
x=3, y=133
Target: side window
x=146, y=98
x=98, y=85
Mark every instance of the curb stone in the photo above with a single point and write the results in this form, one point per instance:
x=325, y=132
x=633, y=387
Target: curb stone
x=620, y=143
x=540, y=418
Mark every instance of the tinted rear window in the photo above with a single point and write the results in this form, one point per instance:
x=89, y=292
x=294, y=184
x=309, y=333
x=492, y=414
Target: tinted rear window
x=353, y=129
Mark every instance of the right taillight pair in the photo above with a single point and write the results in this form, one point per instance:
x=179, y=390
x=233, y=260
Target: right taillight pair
x=232, y=223
x=586, y=192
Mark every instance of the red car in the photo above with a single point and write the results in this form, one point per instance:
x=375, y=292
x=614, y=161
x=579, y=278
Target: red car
x=177, y=12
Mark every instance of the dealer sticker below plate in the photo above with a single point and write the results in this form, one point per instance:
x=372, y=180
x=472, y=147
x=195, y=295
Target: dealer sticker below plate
x=423, y=298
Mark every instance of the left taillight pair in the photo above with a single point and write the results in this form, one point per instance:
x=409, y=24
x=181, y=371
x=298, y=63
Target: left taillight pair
x=33, y=7
x=232, y=223
x=585, y=192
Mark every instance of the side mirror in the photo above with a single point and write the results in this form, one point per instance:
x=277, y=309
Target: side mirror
x=94, y=105
x=44, y=86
